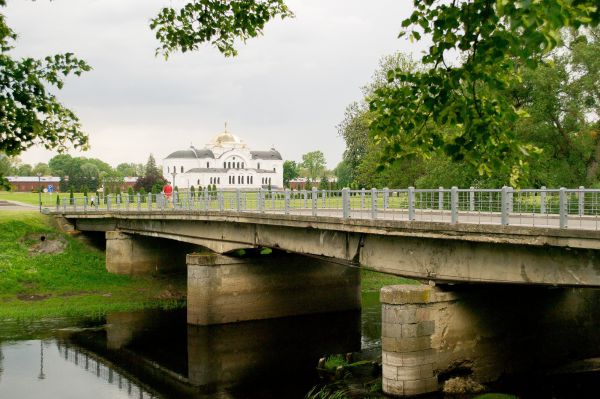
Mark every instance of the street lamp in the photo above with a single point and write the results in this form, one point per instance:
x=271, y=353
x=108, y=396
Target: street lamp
x=39, y=175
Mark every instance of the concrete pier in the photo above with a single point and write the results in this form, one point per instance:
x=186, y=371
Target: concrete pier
x=431, y=334
x=136, y=254
x=226, y=289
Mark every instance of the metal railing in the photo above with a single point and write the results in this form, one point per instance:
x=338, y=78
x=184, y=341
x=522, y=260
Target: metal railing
x=560, y=208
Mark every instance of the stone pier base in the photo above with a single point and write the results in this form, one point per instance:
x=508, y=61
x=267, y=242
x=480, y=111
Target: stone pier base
x=225, y=289
x=135, y=254
x=406, y=329
x=484, y=332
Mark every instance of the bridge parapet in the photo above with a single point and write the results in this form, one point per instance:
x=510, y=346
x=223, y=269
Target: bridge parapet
x=554, y=208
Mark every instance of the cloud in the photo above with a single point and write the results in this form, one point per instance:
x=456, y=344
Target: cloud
x=287, y=88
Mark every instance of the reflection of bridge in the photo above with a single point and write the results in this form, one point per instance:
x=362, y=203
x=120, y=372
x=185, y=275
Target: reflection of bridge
x=104, y=370
x=459, y=236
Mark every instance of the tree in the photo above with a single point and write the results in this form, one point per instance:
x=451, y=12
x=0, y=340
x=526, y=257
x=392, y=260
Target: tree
x=127, y=169
x=42, y=168
x=290, y=172
x=314, y=163
x=324, y=183
x=29, y=112
x=343, y=173
x=152, y=176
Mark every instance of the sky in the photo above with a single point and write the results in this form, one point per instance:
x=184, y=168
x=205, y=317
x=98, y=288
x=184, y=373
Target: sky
x=287, y=88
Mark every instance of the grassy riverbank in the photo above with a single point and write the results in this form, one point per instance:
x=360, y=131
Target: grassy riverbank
x=71, y=283
x=75, y=282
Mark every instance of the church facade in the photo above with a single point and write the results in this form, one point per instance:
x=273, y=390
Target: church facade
x=225, y=162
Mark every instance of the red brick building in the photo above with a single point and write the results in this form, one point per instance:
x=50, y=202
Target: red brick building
x=34, y=183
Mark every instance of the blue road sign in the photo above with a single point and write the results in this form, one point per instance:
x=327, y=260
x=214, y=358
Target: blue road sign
x=50, y=188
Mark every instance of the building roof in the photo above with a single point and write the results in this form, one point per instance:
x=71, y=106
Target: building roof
x=33, y=179
x=271, y=154
x=192, y=153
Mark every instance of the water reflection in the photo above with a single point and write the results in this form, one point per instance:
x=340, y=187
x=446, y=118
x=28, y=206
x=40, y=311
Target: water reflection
x=157, y=355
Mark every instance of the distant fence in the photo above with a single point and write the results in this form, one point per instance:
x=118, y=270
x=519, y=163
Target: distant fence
x=561, y=208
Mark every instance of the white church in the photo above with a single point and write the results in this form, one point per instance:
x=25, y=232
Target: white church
x=226, y=162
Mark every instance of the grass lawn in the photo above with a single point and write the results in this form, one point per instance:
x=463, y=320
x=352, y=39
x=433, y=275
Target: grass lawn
x=71, y=283
x=33, y=198
x=373, y=281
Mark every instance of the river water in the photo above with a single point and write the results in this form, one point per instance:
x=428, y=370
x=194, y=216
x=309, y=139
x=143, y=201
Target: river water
x=155, y=354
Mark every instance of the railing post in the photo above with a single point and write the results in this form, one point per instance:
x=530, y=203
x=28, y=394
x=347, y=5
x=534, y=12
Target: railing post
x=373, y=203
x=150, y=200
x=581, y=206
x=85, y=202
x=238, y=199
x=504, y=207
x=441, y=198
x=324, y=201
x=139, y=202
x=287, y=201
x=221, y=200
x=454, y=204
x=108, y=198
x=411, y=203
x=305, y=193
x=362, y=198
x=57, y=206
x=127, y=200
x=510, y=192
x=543, y=200
x=563, y=208
x=314, y=201
x=64, y=201
x=471, y=198
x=386, y=198
x=260, y=200
x=345, y=203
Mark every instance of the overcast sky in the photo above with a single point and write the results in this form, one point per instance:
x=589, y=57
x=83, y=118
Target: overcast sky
x=288, y=88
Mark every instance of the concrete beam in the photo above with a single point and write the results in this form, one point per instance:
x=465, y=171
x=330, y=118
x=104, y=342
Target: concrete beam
x=471, y=253
x=224, y=289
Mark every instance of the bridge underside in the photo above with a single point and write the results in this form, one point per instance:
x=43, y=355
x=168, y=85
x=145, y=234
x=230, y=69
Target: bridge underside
x=442, y=258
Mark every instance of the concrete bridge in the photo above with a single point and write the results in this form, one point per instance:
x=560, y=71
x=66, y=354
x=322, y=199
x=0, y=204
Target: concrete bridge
x=531, y=262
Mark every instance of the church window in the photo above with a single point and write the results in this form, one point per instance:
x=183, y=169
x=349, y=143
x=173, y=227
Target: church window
x=242, y=165
x=273, y=169
x=182, y=169
x=258, y=166
x=218, y=180
x=207, y=165
x=167, y=169
x=198, y=183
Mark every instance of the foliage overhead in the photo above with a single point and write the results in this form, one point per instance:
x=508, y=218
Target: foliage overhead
x=215, y=21
x=495, y=39
x=29, y=113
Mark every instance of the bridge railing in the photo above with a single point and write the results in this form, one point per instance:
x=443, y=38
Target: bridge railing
x=563, y=208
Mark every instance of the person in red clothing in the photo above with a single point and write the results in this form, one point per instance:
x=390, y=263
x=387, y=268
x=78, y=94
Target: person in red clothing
x=168, y=192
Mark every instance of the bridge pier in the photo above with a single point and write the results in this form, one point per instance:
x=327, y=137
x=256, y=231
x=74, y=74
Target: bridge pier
x=225, y=289
x=431, y=334
x=136, y=254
